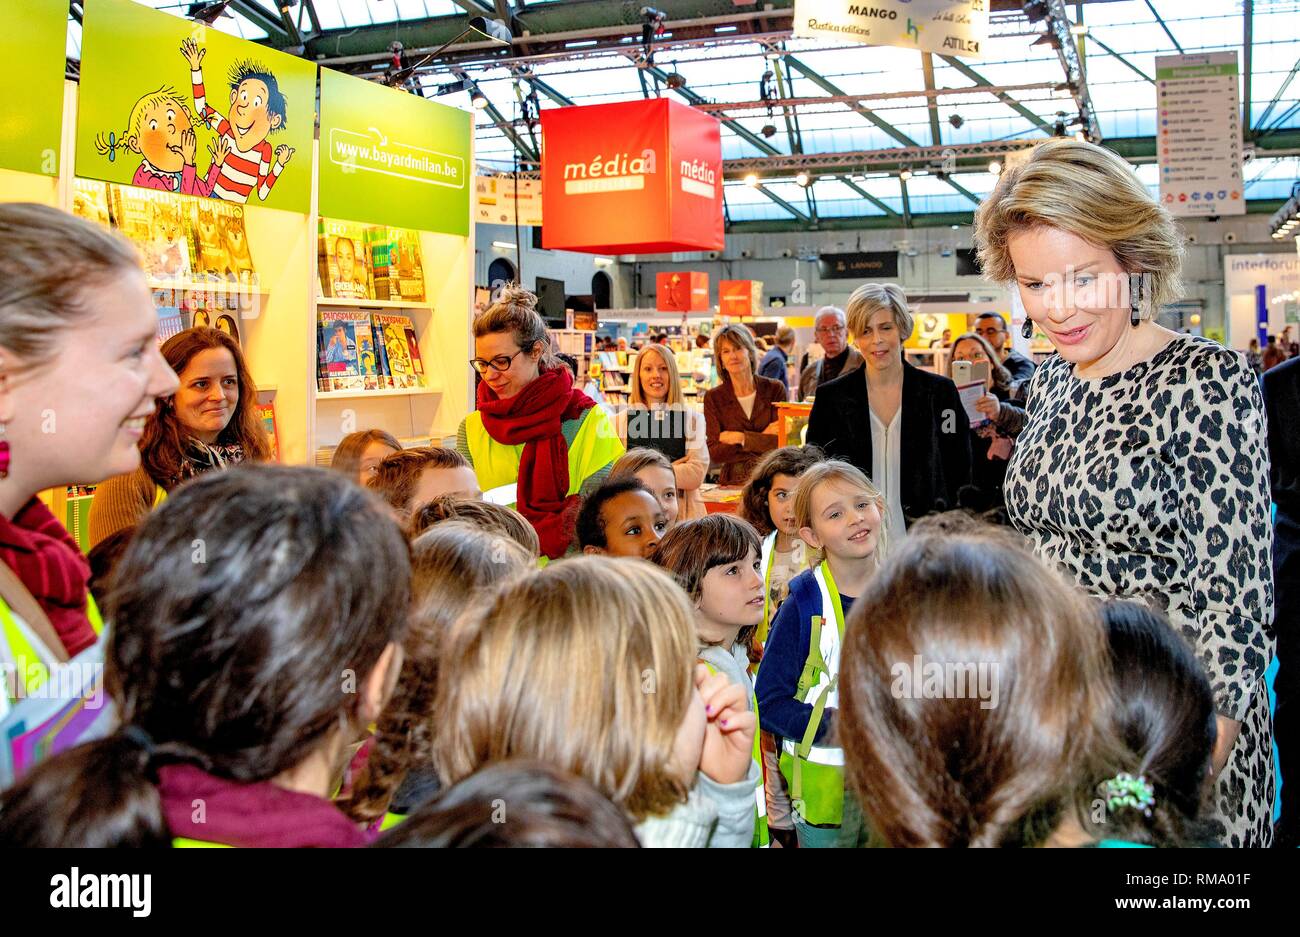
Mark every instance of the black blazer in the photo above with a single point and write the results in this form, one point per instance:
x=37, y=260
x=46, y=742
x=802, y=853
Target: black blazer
x=935, y=455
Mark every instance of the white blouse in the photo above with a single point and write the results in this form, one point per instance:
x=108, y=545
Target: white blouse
x=885, y=448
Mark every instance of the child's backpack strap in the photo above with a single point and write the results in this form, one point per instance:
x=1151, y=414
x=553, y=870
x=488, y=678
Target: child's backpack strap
x=808, y=600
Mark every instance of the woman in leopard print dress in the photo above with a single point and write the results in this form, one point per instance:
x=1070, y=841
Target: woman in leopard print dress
x=1143, y=468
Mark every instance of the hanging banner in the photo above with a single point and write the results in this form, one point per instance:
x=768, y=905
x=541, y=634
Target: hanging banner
x=389, y=157
x=167, y=103
x=858, y=265
x=686, y=291
x=631, y=177
x=1200, y=134
x=945, y=27
x=32, y=50
x=740, y=297
x=500, y=199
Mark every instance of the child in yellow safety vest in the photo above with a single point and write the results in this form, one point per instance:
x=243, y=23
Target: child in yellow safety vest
x=767, y=503
x=715, y=559
x=242, y=664
x=841, y=515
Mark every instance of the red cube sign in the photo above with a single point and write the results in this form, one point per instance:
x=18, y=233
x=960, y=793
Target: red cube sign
x=632, y=177
x=740, y=297
x=682, y=292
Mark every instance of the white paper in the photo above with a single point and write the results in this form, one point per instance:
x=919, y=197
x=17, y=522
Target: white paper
x=970, y=395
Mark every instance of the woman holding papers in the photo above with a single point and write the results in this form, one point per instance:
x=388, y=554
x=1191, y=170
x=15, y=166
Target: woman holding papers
x=903, y=427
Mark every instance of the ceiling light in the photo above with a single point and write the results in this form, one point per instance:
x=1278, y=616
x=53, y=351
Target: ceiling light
x=1081, y=136
x=905, y=174
x=751, y=180
x=803, y=179
x=995, y=167
x=956, y=121
x=675, y=81
x=505, y=245
x=769, y=130
x=478, y=99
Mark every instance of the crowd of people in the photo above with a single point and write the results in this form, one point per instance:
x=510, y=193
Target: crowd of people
x=1050, y=629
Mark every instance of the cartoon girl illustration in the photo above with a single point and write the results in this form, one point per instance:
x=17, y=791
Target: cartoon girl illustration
x=160, y=129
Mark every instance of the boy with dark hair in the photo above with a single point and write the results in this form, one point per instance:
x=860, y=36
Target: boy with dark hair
x=257, y=109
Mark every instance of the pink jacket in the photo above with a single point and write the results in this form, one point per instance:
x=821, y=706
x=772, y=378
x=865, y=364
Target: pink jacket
x=146, y=177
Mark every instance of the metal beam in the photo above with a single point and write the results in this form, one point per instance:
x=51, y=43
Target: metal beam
x=1105, y=48
x=505, y=127
x=1059, y=27
x=1247, y=41
x=758, y=142
x=1152, y=7
x=1281, y=90
x=831, y=88
x=784, y=204
x=474, y=6
x=1002, y=96
x=907, y=203
x=312, y=16
x=544, y=88
x=273, y=25
x=927, y=68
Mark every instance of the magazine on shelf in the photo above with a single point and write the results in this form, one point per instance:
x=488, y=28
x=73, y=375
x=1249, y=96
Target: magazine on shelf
x=158, y=224
x=90, y=201
x=383, y=373
x=344, y=260
x=381, y=261
x=266, y=413
x=405, y=245
x=397, y=349
x=339, y=350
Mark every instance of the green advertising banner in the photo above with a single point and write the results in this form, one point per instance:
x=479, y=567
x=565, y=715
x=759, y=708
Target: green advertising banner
x=32, y=52
x=171, y=104
x=389, y=157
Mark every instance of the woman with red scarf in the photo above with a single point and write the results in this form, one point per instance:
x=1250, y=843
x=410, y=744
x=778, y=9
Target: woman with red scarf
x=80, y=373
x=536, y=442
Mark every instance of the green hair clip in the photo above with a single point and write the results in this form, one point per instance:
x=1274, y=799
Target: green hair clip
x=1124, y=790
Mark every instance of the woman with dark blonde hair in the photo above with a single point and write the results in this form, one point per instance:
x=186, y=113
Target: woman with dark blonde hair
x=1142, y=469
x=740, y=414
x=211, y=422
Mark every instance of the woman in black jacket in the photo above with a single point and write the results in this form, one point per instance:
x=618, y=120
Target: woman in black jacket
x=903, y=427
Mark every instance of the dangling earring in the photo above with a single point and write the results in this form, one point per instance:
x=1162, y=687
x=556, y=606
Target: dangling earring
x=1027, y=330
x=1135, y=302
x=4, y=453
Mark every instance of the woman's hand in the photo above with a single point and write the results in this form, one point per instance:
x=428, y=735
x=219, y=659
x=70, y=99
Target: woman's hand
x=772, y=429
x=730, y=438
x=1226, y=738
x=990, y=406
x=729, y=733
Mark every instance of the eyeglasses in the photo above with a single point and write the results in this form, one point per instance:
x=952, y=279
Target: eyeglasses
x=499, y=363
x=832, y=330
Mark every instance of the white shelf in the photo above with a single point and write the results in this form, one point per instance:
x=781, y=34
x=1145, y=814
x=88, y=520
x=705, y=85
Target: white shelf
x=387, y=392
x=370, y=303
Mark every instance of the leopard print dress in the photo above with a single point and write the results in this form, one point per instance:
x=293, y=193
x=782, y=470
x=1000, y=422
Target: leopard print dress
x=1152, y=485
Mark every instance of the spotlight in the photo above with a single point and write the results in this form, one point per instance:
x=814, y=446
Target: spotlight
x=803, y=179
x=769, y=130
x=675, y=81
x=905, y=173
x=751, y=180
x=478, y=99
x=956, y=121
x=1081, y=136
x=995, y=168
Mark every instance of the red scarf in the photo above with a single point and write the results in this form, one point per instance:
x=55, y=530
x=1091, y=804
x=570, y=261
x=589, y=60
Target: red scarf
x=51, y=566
x=533, y=417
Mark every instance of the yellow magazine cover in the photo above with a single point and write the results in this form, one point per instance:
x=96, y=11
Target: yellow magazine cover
x=344, y=260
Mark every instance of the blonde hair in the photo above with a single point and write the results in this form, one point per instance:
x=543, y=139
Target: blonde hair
x=515, y=311
x=106, y=146
x=637, y=398
x=634, y=460
x=586, y=665
x=453, y=566
x=739, y=336
x=836, y=471
x=40, y=299
x=870, y=297
x=1092, y=193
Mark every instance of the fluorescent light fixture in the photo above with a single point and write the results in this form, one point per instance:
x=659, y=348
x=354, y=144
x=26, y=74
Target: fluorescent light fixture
x=505, y=245
x=725, y=29
x=581, y=44
x=603, y=261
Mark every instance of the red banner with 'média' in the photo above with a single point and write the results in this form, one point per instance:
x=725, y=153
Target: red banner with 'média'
x=636, y=177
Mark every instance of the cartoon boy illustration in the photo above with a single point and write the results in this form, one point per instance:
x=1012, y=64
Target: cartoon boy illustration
x=160, y=129
x=257, y=109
